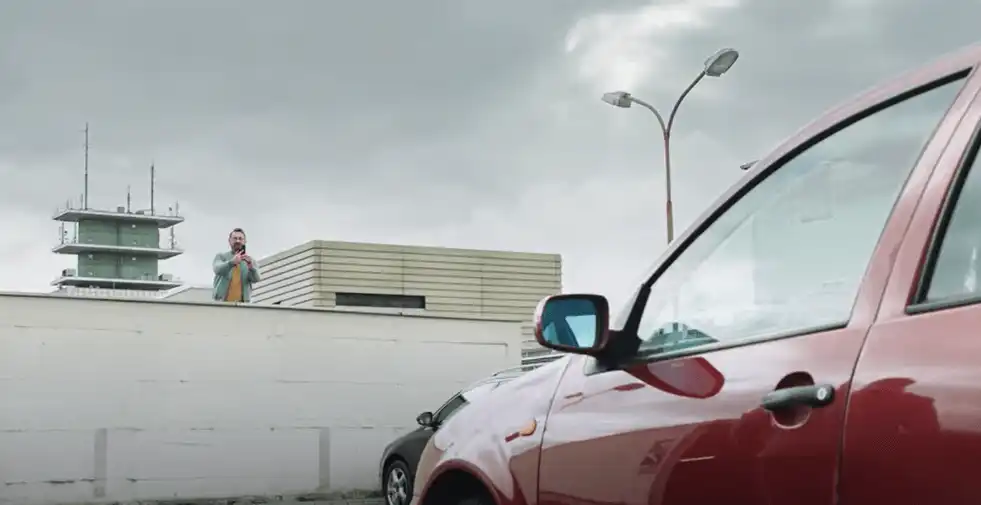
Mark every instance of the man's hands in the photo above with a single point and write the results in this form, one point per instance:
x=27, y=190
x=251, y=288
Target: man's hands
x=239, y=257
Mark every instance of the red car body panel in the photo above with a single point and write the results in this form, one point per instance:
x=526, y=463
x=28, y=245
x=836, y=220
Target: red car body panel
x=919, y=420
x=499, y=441
x=905, y=427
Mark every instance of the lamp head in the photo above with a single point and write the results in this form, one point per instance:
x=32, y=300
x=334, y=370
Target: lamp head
x=720, y=62
x=618, y=99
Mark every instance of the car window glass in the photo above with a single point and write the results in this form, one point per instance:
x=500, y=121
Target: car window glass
x=448, y=408
x=955, y=271
x=463, y=398
x=790, y=254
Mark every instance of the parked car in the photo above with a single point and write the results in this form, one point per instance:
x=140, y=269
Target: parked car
x=815, y=337
x=399, y=459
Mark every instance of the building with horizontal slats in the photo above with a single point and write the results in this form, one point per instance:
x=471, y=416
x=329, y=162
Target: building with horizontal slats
x=440, y=281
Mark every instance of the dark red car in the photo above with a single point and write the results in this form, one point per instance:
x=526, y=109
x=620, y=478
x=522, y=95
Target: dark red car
x=814, y=339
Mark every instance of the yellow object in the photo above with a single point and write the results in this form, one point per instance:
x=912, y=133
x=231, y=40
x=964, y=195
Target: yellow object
x=235, y=285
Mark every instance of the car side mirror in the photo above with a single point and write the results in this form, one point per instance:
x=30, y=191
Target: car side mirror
x=574, y=323
x=425, y=419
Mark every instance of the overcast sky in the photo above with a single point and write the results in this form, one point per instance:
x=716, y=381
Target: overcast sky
x=457, y=123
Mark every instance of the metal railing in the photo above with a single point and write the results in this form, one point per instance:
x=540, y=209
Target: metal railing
x=71, y=206
x=65, y=240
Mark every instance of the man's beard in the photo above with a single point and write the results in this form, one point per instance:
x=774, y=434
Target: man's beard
x=237, y=247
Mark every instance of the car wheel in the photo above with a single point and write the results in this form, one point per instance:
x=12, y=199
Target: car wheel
x=398, y=484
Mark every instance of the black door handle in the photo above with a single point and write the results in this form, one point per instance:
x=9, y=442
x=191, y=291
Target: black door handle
x=814, y=396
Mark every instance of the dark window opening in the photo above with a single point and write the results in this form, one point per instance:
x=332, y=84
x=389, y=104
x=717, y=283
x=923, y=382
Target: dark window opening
x=387, y=301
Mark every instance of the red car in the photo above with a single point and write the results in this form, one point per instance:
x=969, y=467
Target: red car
x=814, y=339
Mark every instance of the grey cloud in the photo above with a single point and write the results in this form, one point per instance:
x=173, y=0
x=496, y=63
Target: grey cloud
x=797, y=62
x=310, y=91
x=198, y=69
x=460, y=123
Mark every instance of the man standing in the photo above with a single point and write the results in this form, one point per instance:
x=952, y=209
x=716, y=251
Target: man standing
x=235, y=271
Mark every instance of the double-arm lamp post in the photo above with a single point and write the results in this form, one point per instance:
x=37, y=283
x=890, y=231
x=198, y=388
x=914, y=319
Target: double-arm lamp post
x=718, y=64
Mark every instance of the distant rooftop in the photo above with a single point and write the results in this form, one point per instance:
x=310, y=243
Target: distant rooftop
x=72, y=215
x=181, y=293
x=115, y=283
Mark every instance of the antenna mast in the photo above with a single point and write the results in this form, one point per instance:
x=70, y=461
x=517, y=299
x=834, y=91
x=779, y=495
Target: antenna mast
x=85, y=194
x=153, y=173
x=173, y=238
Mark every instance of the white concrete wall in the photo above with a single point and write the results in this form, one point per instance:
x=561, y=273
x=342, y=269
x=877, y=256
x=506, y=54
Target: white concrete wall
x=126, y=399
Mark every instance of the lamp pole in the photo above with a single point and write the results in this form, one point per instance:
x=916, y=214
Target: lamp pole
x=716, y=65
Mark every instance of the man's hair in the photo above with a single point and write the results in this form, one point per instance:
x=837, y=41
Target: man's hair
x=237, y=230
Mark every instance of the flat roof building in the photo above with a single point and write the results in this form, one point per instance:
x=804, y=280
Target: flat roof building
x=443, y=281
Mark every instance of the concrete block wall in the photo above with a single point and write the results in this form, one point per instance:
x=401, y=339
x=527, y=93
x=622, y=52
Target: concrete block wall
x=114, y=400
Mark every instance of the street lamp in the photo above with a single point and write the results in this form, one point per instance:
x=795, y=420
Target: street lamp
x=716, y=65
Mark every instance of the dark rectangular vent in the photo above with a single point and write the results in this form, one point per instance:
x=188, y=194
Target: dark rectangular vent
x=385, y=301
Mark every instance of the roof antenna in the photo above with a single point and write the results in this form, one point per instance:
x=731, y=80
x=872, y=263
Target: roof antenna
x=153, y=176
x=129, y=198
x=176, y=212
x=85, y=194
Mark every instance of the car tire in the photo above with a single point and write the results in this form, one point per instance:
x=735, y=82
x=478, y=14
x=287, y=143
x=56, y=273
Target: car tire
x=398, y=483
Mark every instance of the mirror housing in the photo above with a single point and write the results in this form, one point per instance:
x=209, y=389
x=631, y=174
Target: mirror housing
x=692, y=377
x=573, y=323
x=425, y=419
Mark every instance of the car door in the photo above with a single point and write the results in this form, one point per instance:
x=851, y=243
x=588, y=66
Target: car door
x=771, y=295
x=914, y=416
